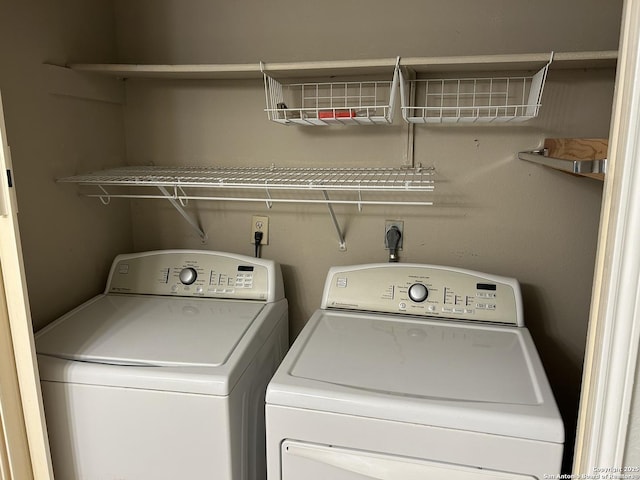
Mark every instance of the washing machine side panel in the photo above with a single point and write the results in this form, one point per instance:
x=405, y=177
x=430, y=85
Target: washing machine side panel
x=246, y=405
x=458, y=447
x=102, y=433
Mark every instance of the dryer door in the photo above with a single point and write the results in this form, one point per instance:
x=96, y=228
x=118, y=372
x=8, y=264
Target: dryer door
x=317, y=462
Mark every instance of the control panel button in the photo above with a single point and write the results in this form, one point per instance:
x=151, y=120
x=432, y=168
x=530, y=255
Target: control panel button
x=188, y=275
x=418, y=292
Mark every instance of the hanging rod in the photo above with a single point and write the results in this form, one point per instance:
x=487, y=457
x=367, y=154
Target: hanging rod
x=106, y=196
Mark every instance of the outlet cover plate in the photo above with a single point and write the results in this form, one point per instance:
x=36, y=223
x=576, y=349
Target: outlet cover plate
x=260, y=223
x=400, y=226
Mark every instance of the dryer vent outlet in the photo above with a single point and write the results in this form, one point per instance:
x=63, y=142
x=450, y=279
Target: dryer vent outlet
x=389, y=224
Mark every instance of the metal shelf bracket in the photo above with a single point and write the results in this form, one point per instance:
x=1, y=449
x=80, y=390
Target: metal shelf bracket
x=178, y=204
x=578, y=167
x=342, y=245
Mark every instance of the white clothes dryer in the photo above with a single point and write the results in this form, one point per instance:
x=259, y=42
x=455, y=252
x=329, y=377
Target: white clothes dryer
x=413, y=372
x=163, y=376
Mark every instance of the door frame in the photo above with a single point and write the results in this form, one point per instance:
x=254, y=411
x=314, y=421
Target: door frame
x=15, y=461
x=23, y=424
x=614, y=323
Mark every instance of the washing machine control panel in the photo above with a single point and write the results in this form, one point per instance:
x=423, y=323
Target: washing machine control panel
x=193, y=273
x=425, y=290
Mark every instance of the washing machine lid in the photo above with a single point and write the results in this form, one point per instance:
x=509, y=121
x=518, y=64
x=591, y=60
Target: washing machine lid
x=481, y=377
x=149, y=331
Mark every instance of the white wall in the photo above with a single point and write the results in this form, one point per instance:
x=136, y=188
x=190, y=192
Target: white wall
x=68, y=242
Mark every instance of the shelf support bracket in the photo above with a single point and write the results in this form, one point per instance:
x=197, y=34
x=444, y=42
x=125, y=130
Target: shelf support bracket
x=409, y=127
x=342, y=245
x=176, y=204
x=578, y=167
x=106, y=198
x=268, y=202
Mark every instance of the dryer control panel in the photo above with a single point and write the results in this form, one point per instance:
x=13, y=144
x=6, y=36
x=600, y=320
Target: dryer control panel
x=196, y=273
x=426, y=290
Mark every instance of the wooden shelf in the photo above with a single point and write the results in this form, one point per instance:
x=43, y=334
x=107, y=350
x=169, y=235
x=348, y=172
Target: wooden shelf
x=513, y=62
x=579, y=156
x=599, y=59
x=213, y=72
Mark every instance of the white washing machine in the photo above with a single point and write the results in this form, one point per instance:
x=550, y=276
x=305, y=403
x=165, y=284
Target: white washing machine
x=413, y=372
x=163, y=376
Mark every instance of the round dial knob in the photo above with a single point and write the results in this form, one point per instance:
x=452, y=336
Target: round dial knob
x=418, y=292
x=188, y=275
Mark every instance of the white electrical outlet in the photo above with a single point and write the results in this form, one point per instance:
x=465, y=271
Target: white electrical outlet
x=260, y=224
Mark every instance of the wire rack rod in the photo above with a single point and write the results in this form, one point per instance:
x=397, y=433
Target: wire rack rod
x=263, y=200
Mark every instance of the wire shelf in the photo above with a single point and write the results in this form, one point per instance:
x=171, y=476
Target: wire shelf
x=332, y=103
x=469, y=100
x=267, y=179
x=178, y=185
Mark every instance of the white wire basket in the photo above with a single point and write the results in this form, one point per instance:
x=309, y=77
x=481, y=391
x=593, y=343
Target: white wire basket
x=469, y=100
x=332, y=103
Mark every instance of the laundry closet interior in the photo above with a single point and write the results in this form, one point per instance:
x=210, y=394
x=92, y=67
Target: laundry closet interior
x=197, y=98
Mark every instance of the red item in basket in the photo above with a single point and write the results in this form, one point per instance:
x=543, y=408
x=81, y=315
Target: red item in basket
x=336, y=114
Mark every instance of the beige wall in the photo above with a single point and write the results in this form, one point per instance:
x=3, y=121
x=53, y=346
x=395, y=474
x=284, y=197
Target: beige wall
x=68, y=242
x=493, y=212
x=205, y=31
